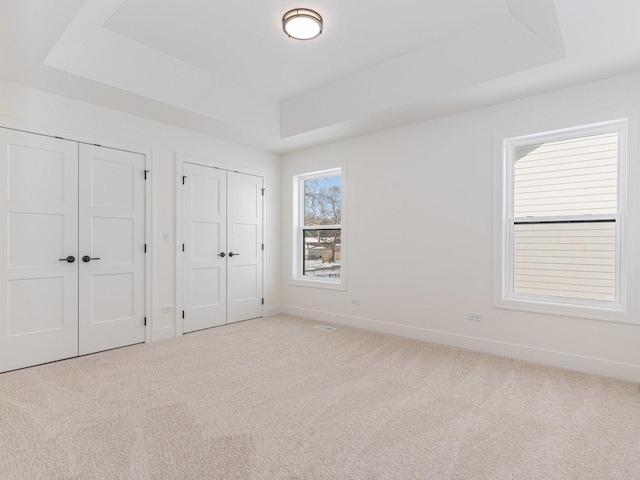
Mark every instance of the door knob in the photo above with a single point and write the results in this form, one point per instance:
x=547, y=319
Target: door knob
x=69, y=259
x=231, y=254
x=87, y=258
x=222, y=254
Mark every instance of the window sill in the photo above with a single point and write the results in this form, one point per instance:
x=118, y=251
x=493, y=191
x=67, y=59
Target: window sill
x=299, y=282
x=615, y=313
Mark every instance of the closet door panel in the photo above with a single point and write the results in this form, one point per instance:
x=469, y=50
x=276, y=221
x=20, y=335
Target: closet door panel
x=112, y=256
x=204, y=259
x=244, y=267
x=39, y=231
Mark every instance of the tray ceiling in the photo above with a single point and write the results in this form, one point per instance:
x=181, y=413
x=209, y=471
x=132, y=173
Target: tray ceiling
x=226, y=68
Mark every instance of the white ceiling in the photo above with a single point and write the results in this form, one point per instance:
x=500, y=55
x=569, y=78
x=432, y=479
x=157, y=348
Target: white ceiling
x=225, y=67
x=242, y=40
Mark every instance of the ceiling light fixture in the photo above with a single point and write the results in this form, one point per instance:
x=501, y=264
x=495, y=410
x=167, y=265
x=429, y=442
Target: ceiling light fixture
x=302, y=24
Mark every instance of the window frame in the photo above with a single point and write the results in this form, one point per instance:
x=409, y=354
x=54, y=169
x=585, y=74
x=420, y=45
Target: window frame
x=624, y=308
x=298, y=277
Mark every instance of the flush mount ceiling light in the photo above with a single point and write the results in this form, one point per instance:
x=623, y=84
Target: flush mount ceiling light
x=302, y=24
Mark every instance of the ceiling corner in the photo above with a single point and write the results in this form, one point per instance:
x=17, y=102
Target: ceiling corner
x=541, y=18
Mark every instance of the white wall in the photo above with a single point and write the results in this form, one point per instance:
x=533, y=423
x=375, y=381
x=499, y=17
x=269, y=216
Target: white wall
x=26, y=104
x=420, y=236
x=414, y=280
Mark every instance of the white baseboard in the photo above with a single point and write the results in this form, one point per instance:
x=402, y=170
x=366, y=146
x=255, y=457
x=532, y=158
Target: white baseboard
x=272, y=310
x=597, y=366
x=164, y=333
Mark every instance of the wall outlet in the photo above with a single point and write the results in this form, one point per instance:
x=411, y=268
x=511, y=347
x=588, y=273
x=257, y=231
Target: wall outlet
x=355, y=301
x=166, y=237
x=167, y=308
x=476, y=317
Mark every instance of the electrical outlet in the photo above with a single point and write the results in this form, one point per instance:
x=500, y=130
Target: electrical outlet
x=476, y=317
x=355, y=301
x=167, y=308
x=166, y=236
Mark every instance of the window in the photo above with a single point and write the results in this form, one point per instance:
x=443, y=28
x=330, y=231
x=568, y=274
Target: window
x=319, y=240
x=563, y=241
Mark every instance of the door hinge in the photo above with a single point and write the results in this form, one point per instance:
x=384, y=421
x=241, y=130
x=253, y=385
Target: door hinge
x=182, y=313
x=263, y=246
x=263, y=191
x=183, y=177
x=145, y=174
x=145, y=248
x=145, y=321
x=263, y=301
x=183, y=247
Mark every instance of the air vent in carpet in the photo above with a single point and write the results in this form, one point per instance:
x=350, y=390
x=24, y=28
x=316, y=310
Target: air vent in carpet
x=325, y=328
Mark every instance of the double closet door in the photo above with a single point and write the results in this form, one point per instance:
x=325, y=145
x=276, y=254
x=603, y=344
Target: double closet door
x=71, y=249
x=223, y=247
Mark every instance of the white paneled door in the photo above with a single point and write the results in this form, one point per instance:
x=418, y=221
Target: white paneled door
x=244, y=264
x=222, y=259
x=205, y=244
x=38, y=249
x=111, y=248
x=72, y=258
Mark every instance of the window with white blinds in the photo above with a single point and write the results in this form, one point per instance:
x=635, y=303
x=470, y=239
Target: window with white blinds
x=565, y=209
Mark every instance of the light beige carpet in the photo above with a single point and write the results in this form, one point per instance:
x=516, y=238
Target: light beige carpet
x=277, y=399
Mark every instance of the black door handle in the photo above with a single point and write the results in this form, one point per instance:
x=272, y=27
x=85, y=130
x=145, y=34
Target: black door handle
x=222, y=254
x=69, y=259
x=231, y=254
x=87, y=258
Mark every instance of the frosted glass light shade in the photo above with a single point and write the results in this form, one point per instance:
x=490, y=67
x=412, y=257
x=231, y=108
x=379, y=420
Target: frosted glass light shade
x=302, y=24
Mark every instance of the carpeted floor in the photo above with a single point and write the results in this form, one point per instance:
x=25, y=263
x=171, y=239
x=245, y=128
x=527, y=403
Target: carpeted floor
x=277, y=399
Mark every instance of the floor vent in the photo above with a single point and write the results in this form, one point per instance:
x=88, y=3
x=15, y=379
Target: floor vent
x=325, y=328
